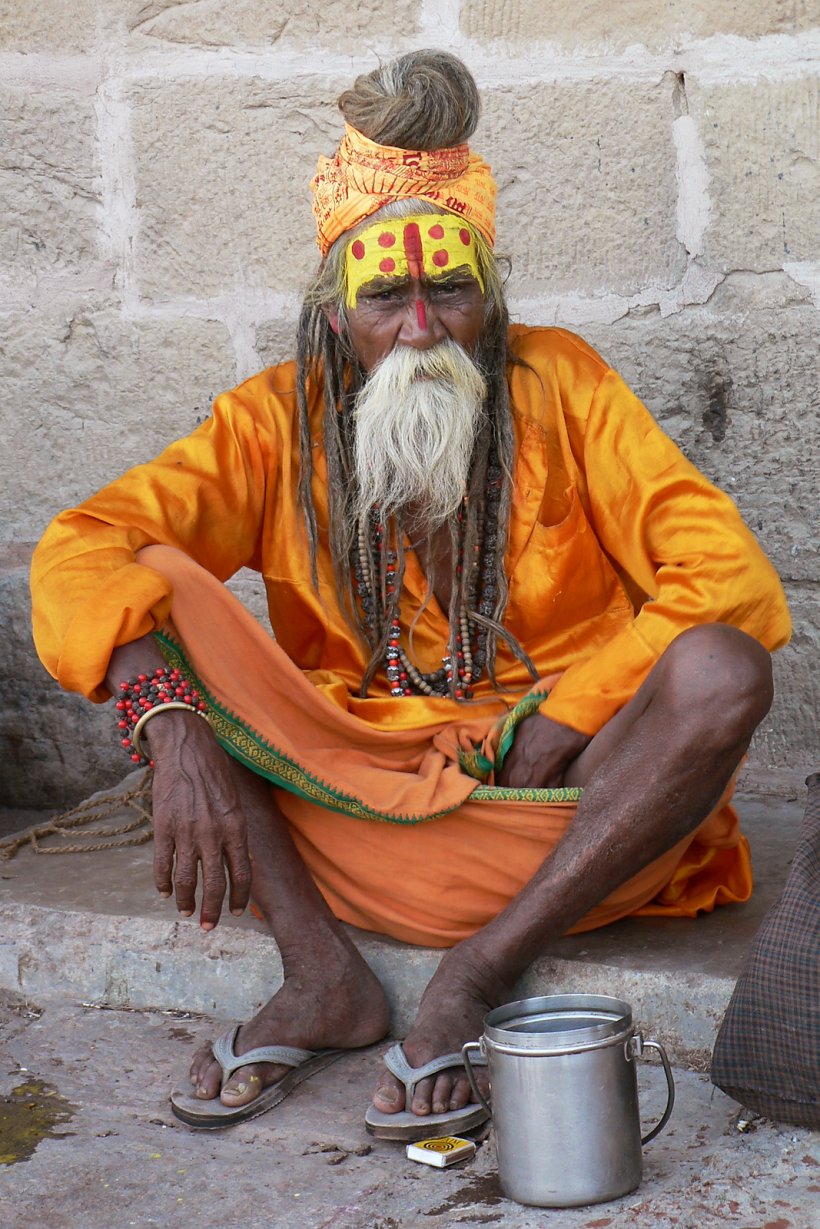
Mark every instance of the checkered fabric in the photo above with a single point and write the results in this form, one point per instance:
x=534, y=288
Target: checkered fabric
x=767, y=1054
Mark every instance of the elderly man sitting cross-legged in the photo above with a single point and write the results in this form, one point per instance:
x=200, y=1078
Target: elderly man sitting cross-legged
x=521, y=644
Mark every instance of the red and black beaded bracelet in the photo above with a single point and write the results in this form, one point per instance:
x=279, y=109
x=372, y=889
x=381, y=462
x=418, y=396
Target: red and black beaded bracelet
x=146, y=695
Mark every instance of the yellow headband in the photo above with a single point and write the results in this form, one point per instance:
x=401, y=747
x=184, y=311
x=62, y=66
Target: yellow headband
x=363, y=176
x=427, y=244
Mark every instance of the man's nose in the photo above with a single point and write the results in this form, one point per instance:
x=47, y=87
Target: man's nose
x=421, y=328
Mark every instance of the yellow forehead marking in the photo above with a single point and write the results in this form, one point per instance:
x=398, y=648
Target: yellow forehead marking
x=428, y=244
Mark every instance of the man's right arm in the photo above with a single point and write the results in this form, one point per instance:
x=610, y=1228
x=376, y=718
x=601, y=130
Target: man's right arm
x=204, y=495
x=196, y=809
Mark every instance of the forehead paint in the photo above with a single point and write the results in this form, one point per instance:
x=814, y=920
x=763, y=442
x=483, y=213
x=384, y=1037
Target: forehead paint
x=413, y=249
x=415, y=265
x=425, y=245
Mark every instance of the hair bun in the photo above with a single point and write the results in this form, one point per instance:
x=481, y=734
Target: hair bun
x=421, y=100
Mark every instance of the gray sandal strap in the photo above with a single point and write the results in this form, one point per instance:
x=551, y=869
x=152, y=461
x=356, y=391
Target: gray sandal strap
x=230, y=1061
x=396, y=1062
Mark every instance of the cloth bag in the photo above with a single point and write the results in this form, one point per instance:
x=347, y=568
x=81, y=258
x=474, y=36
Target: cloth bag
x=767, y=1053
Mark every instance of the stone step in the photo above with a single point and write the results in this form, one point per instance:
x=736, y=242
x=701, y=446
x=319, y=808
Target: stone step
x=90, y=927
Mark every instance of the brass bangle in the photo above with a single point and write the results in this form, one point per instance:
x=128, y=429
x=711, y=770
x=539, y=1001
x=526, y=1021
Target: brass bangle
x=152, y=712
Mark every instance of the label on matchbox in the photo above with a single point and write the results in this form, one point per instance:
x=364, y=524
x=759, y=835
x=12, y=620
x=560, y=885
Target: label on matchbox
x=446, y=1150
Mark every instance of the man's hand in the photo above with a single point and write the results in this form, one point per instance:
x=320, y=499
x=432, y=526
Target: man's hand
x=197, y=820
x=541, y=753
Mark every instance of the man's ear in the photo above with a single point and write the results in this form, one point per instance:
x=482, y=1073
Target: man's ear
x=332, y=319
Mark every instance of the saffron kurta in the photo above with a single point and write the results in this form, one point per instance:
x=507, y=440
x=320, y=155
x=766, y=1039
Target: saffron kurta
x=616, y=545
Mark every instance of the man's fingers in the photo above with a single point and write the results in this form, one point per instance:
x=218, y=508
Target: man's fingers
x=213, y=890
x=198, y=825
x=163, y=862
x=185, y=883
x=239, y=877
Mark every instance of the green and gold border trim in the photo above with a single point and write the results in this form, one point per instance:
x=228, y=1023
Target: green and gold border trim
x=249, y=747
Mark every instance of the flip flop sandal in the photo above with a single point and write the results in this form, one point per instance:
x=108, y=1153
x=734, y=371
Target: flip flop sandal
x=210, y=1115
x=407, y=1126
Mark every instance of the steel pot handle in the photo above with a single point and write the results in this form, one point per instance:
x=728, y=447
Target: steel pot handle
x=637, y=1045
x=465, y=1054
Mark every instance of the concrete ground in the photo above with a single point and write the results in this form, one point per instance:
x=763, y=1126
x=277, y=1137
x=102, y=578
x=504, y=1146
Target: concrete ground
x=104, y=994
x=119, y=1159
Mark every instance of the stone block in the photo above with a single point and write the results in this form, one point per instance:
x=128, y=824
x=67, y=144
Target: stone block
x=587, y=188
x=65, y=27
x=276, y=342
x=49, y=181
x=55, y=747
x=598, y=24
x=762, y=150
x=333, y=24
x=222, y=171
x=88, y=394
x=735, y=385
x=787, y=737
x=249, y=587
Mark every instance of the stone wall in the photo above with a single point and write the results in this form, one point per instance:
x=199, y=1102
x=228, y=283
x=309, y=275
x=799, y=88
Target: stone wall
x=658, y=174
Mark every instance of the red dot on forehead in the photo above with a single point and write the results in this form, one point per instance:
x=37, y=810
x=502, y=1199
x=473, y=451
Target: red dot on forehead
x=437, y=231
x=464, y=236
x=387, y=265
x=441, y=258
x=386, y=240
x=357, y=248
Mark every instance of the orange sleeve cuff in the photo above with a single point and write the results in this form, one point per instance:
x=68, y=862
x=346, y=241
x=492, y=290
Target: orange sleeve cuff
x=103, y=622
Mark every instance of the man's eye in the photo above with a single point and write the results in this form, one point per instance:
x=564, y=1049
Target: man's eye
x=445, y=289
x=379, y=296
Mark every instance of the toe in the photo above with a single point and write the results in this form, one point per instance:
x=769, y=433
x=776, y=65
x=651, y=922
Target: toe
x=243, y=1086
x=442, y=1092
x=201, y=1061
x=461, y=1093
x=389, y=1095
x=206, y=1078
x=422, y=1102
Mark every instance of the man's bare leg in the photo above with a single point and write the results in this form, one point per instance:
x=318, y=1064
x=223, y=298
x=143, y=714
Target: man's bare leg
x=330, y=998
x=650, y=777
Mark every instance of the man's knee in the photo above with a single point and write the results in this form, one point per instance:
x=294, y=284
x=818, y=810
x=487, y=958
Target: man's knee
x=722, y=675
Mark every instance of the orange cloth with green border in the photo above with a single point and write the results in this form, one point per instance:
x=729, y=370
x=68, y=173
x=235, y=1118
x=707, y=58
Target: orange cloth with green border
x=616, y=545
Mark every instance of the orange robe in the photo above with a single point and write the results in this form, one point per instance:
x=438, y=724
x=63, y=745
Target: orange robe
x=616, y=545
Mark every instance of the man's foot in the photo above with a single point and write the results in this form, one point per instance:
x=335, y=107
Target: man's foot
x=342, y=1009
x=451, y=1012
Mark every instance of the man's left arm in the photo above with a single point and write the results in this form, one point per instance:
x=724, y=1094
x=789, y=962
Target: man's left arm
x=679, y=538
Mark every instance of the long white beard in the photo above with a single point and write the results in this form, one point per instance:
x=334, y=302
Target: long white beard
x=416, y=419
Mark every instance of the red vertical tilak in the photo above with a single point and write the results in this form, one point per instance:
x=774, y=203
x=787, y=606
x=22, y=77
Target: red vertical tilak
x=415, y=264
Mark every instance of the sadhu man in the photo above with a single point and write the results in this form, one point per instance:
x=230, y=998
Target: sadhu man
x=520, y=643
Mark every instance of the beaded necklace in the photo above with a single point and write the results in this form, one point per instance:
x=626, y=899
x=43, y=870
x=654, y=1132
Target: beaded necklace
x=466, y=653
